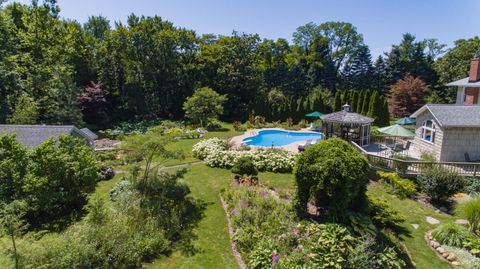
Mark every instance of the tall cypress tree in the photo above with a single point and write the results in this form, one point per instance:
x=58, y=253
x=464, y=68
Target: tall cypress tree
x=375, y=107
x=354, y=101
x=361, y=95
x=337, y=106
x=366, y=102
x=385, y=116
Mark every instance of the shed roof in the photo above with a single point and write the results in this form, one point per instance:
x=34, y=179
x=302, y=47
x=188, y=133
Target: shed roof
x=453, y=115
x=33, y=135
x=464, y=82
x=89, y=133
x=346, y=118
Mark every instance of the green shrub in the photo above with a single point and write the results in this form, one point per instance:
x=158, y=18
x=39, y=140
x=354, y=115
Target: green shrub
x=470, y=210
x=451, y=234
x=401, y=186
x=440, y=183
x=472, y=245
x=335, y=174
x=383, y=216
x=472, y=185
x=244, y=166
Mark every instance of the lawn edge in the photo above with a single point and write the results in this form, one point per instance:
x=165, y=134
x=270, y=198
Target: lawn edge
x=238, y=256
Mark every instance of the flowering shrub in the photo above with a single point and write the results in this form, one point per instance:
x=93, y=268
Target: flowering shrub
x=215, y=153
x=267, y=235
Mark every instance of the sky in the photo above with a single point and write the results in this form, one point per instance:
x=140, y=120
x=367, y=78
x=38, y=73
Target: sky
x=381, y=22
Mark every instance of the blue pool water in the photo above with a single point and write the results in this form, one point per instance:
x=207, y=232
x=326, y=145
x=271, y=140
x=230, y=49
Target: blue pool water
x=268, y=138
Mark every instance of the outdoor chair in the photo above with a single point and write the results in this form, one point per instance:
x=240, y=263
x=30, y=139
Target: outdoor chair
x=304, y=146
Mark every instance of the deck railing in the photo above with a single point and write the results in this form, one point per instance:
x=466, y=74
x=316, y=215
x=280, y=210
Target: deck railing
x=414, y=167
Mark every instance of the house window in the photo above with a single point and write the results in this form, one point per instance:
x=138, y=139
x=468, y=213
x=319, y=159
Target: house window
x=428, y=131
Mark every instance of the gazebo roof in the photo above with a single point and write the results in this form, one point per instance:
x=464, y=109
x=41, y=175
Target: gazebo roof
x=346, y=117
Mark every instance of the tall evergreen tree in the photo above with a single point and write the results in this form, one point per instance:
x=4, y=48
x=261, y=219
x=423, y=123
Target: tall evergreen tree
x=385, y=115
x=366, y=102
x=375, y=107
x=354, y=101
x=359, y=106
x=338, y=102
x=358, y=73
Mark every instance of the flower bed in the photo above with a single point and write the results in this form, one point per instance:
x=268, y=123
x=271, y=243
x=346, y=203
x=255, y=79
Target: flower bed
x=215, y=153
x=267, y=235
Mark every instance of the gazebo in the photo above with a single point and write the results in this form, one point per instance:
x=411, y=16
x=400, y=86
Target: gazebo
x=348, y=126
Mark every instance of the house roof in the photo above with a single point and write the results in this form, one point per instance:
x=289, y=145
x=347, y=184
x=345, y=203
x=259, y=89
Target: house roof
x=347, y=118
x=33, y=135
x=89, y=133
x=453, y=115
x=464, y=82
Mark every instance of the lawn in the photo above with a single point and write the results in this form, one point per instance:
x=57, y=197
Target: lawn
x=211, y=242
x=414, y=213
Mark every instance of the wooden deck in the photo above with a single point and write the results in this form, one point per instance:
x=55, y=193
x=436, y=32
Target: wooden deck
x=415, y=167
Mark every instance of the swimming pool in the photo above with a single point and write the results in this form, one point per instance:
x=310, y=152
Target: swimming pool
x=276, y=138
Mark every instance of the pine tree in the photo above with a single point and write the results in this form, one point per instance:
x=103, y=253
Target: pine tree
x=375, y=107
x=366, y=102
x=338, y=102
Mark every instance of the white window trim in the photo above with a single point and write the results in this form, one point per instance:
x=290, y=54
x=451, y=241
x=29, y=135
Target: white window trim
x=425, y=128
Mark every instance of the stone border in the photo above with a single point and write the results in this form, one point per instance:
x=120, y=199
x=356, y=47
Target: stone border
x=440, y=251
x=238, y=256
x=292, y=147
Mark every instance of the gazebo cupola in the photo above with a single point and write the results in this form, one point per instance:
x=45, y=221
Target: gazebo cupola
x=348, y=125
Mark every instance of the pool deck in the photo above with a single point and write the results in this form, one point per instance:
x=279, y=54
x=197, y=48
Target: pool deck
x=293, y=147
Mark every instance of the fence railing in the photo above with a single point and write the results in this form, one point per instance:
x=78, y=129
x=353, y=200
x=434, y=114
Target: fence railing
x=414, y=167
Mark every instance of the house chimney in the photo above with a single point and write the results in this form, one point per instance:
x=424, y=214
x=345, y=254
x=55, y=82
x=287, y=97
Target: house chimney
x=475, y=69
x=346, y=107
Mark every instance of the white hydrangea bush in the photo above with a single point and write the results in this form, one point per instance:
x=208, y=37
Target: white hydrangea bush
x=215, y=153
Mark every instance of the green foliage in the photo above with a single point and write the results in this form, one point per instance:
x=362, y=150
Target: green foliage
x=244, y=166
x=451, y=234
x=128, y=128
x=401, y=186
x=470, y=209
x=204, y=106
x=13, y=225
x=13, y=168
x=54, y=179
x=439, y=183
x=61, y=173
x=375, y=106
x=267, y=235
x=383, y=216
x=334, y=174
x=472, y=185
x=26, y=111
x=338, y=101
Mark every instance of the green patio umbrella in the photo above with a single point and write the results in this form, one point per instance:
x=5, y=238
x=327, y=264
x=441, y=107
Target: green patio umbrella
x=315, y=114
x=406, y=121
x=396, y=130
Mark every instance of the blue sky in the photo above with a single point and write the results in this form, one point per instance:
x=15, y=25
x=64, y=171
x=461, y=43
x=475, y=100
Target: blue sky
x=381, y=22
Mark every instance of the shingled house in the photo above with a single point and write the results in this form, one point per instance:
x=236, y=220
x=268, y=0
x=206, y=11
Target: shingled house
x=32, y=136
x=452, y=132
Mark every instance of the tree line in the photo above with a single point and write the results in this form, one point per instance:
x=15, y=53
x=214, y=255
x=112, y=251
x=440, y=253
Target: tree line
x=58, y=71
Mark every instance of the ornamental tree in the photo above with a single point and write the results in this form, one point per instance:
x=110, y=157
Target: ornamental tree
x=333, y=175
x=407, y=95
x=204, y=105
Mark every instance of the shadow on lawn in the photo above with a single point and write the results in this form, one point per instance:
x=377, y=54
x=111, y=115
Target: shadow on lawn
x=186, y=238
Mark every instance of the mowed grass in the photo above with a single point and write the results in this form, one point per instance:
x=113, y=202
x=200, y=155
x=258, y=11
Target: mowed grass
x=414, y=213
x=212, y=245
